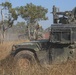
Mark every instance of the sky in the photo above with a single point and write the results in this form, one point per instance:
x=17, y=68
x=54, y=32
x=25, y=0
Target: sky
x=63, y=5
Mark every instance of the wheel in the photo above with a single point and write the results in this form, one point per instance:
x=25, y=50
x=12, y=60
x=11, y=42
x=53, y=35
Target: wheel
x=24, y=60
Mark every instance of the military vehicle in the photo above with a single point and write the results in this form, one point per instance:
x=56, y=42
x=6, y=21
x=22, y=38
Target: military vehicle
x=60, y=46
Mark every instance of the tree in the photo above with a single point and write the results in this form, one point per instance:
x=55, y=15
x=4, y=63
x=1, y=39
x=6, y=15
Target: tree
x=32, y=14
x=11, y=16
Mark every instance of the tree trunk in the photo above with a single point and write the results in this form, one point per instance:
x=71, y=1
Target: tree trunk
x=28, y=24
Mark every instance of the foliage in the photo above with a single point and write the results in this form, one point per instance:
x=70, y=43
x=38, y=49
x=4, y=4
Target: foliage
x=12, y=15
x=7, y=5
x=32, y=13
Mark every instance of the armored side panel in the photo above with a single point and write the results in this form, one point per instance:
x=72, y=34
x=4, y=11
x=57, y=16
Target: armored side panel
x=62, y=37
x=63, y=33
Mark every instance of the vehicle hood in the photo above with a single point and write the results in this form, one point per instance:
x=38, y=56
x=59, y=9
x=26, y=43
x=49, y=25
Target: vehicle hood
x=31, y=45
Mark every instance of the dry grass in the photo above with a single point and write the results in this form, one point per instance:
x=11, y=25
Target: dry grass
x=7, y=66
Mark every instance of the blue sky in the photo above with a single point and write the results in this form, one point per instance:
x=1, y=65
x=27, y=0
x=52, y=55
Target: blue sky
x=62, y=4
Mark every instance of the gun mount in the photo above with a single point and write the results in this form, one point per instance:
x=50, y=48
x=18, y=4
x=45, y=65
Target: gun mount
x=64, y=28
x=66, y=17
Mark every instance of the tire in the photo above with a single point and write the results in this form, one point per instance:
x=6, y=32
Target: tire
x=24, y=60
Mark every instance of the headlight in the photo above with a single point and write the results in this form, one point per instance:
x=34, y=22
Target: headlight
x=13, y=48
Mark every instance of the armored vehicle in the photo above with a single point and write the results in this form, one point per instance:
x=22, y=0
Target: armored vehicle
x=60, y=46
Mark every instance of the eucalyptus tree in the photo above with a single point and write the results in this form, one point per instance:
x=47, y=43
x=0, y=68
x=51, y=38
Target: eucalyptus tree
x=8, y=18
x=32, y=14
x=11, y=14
